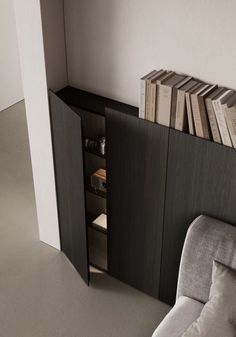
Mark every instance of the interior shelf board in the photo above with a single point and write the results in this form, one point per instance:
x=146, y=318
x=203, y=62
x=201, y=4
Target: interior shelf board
x=90, y=218
x=94, y=265
x=95, y=152
x=92, y=190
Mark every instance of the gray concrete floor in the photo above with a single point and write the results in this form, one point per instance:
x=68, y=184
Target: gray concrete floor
x=41, y=295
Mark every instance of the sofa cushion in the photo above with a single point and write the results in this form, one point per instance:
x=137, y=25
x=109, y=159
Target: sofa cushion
x=207, y=240
x=218, y=317
x=181, y=316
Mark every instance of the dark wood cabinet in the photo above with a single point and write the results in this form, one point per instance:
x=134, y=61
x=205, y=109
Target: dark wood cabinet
x=136, y=173
x=158, y=181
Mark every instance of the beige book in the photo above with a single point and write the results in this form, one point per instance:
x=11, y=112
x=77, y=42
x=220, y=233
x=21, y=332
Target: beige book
x=151, y=95
x=199, y=111
x=219, y=112
x=142, y=97
x=228, y=106
x=230, y=117
x=191, y=126
x=175, y=91
x=165, y=96
x=158, y=83
x=180, y=120
x=148, y=94
x=211, y=114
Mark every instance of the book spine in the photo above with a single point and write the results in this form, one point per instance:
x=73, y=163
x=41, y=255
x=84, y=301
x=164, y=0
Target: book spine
x=157, y=102
x=222, y=123
x=163, y=117
x=213, y=122
x=173, y=108
x=204, y=119
x=230, y=117
x=197, y=116
x=180, y=111
x=189, y=114
x=152, y=102
x=142, y=101
x=148, y=100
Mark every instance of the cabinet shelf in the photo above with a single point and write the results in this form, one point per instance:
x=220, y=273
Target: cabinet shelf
x=94, y=265
x=92, y=190
x=89, y=220
x=94, y=152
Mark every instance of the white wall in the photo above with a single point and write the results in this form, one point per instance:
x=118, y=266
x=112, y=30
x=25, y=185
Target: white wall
x=35, y=57
x=11, y=90
x=54, y=43
x=112, y=43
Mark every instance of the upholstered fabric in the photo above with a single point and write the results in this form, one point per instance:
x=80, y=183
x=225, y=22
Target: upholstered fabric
x=218, y=317
x=181, y=316
x=207, y=240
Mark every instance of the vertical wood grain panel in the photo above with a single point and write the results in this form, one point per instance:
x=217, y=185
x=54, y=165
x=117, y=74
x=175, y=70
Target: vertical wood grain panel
x=136, y=171
x=201, y=179
x=68, y=158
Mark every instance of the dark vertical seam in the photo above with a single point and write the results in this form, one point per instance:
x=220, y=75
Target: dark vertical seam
x=164, y=211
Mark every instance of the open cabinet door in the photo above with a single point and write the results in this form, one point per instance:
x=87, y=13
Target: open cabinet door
x=68, y=161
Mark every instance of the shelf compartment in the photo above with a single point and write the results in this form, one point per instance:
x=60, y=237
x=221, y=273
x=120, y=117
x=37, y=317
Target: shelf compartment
x=97, y=249
x=92, y=190
x=94, y=152
x=90, y=218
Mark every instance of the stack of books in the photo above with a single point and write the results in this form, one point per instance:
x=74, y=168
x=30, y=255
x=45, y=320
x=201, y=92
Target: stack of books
x=189, y=105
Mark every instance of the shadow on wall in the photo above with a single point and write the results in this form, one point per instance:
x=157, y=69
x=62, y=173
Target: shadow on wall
x=98, y=49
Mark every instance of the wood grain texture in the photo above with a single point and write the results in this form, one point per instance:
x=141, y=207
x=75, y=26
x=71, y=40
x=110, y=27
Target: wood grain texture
x=68, y=158
x=93, y=124
x=201, y=179
x=136, y=171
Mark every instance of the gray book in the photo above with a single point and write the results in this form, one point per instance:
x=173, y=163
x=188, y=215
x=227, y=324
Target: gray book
x=165, y=97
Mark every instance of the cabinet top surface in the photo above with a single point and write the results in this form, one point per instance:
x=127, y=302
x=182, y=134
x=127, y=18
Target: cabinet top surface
x=93, y=103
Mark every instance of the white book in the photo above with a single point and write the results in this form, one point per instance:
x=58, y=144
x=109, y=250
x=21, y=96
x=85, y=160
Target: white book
x=142, y=99
x=230, y=117
x=220, y=117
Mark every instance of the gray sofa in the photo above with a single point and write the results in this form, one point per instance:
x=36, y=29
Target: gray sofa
x=207, y=240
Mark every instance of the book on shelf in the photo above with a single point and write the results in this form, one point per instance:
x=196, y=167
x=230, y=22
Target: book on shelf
x=211, y=114
x=188, y=93
x=199, y=111
x=179, y=121
x=165, y=97
x=219, y=112
x=230, y=116
x=142, y=99
x=150, y=108
x=175, y=100
x=189, y=105
x=159, y=81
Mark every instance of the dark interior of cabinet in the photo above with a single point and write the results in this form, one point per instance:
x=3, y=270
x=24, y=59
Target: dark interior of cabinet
x=93, y=127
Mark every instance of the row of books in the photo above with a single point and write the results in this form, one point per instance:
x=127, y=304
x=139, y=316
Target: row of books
x=189, y=105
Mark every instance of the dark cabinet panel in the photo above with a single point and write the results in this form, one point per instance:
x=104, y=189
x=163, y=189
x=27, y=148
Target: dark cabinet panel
x=68, y=159
x=136, y=174
x=201, y=179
